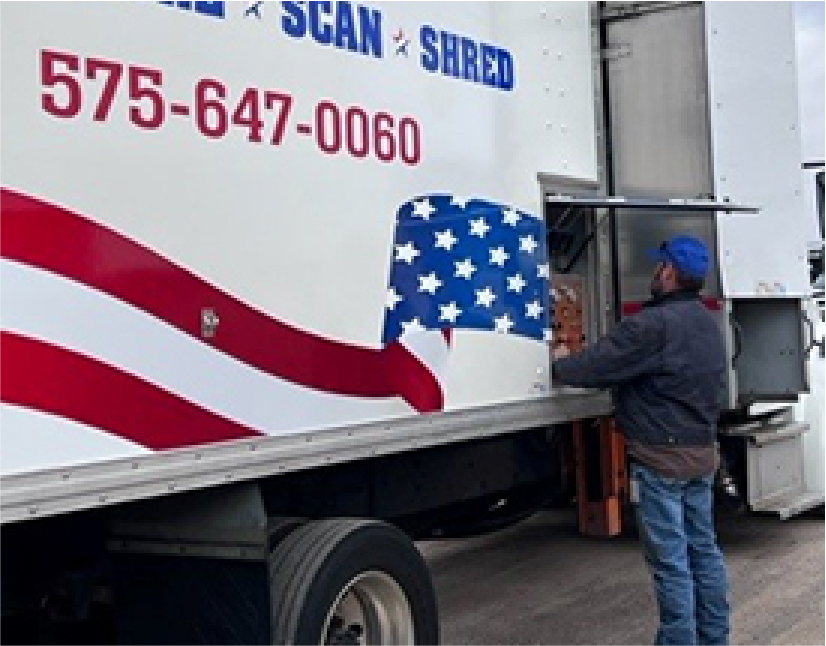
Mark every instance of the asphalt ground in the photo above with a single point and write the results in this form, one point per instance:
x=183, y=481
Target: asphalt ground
x=540, y=582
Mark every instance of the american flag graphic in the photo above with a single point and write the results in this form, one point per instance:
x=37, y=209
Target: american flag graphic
x=131, y=371
x=469, y=264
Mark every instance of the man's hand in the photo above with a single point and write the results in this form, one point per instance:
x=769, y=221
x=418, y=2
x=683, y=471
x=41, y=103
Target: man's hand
x=561, y=351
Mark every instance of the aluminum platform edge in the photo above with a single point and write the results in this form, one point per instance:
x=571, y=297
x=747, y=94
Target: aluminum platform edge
x=73, y=488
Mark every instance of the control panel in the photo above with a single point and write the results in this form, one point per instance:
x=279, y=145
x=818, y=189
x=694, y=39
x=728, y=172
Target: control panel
x=569, y=311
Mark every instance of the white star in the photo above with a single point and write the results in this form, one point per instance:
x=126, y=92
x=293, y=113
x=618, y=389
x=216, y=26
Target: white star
x=392, y=299
x=449, y=312
x=503, y=324
x=516, y=283
x=445, y=239
x=543, y=271
x=429, y=283
x=479, y=227
x=460, y=201
x=485, y=297
x=528, y=244
x=410, y=327
x=548, y=334
x=511, y=217
x=499, y=256
x=407, y=253
x=464, y=269
x=533, y=310
x=423, y=209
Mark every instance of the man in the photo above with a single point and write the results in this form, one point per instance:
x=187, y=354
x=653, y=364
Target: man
x=665, y=367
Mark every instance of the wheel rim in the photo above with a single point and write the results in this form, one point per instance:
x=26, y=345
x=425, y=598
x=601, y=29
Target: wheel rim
x=371, y=609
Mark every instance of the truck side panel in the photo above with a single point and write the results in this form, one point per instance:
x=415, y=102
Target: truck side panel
x=752, y=84
x=200, y=211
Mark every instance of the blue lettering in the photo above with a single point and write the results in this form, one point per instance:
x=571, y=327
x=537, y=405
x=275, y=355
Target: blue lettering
x=488, y=58
x=293, y=22
x=321, y=31
x=214, y=9
x=430, y=55
x=466, y=59
x=450, y=55
x=370, y=28
x=471, y=72
x=335, y=23
x=345, y=30
x=505, y=70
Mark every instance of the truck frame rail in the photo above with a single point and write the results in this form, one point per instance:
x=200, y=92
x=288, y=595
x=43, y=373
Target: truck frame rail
x=73, y=488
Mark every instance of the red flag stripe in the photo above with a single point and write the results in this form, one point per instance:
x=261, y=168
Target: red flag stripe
x=48, y=378
x=55, y=239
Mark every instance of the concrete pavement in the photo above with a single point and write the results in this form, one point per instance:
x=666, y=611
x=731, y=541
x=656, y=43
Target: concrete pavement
x=539, y=582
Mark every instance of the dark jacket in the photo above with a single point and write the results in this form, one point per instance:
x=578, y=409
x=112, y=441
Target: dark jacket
x=665, y=365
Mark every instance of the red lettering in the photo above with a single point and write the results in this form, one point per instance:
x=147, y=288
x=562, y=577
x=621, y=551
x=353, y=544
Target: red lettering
x=248, y=114
x=286, y=102
x=114, y=72
x=216, y=125
x=50, y=77
x=328, y=140
x=137, y=92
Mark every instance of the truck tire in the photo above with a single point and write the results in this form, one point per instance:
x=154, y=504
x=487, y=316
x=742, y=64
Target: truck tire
x=349, y=581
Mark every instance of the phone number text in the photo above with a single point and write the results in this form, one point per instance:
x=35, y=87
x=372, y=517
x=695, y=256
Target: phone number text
x=264, y=113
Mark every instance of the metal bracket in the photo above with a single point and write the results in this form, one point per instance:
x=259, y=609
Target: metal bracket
x=813, y=341
x=209, y=323
x=774, y=464
x=614, y=11
x=221, y=522
x=616, y=51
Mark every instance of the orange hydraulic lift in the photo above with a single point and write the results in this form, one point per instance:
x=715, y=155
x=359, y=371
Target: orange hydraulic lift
x=601, y=476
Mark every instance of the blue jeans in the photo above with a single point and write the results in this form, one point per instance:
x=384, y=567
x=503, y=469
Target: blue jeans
x=676, y=524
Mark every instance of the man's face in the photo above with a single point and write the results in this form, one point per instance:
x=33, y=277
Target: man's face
x=660, y=283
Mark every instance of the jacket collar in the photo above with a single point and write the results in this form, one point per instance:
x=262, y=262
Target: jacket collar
x=673, y=297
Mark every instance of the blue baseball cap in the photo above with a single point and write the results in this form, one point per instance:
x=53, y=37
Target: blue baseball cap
x=688, y=254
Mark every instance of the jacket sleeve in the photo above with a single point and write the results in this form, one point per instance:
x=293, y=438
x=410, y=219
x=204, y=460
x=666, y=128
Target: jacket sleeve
x=632, y=348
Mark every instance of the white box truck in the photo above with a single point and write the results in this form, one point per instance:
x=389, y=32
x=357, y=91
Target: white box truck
x=279, y=281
